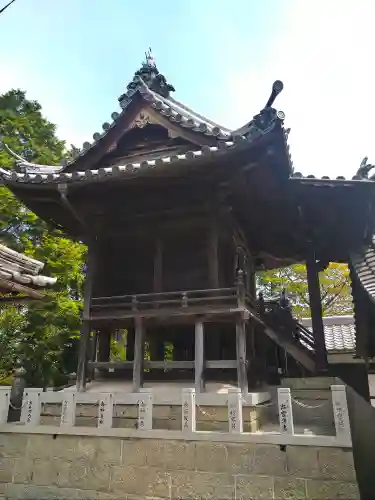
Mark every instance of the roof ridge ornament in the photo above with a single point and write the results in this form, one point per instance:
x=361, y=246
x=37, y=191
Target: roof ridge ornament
x=277, y=87
x=150, y=59
x=364, y=170
x=148, y=75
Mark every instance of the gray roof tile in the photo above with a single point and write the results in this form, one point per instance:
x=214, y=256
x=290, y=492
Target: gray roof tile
x=339, y=332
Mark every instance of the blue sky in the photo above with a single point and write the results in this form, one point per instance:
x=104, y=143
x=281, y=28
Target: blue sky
x=76, y=57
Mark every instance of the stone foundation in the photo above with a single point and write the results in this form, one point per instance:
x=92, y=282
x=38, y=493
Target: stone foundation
x=45, y=466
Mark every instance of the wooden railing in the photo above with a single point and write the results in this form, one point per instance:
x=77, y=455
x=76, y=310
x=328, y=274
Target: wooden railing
x=34, y=399
x=279, y=316
x=180, y=300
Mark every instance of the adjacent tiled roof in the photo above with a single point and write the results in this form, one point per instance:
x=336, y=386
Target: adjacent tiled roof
x=339, y=332
x=20, y=269
x=325, y=180
x=364, y=266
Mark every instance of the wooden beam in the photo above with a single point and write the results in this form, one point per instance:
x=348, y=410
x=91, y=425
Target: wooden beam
x=316, y=313
x=241, y=354
x=139, y=347
x=199, y=357
x=85, y=327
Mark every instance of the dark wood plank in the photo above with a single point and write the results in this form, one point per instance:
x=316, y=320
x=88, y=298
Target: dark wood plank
x=316, y=313
x=241, y=355
x=199, y=356
x=85, y=327
x=139, y=346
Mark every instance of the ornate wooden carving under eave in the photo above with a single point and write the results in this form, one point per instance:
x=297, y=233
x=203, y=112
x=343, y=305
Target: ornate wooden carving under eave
x=141, y=120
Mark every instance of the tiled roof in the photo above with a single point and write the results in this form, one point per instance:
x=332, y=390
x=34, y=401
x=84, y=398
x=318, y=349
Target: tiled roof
x=364, y=266
x=16, y=268
x=264, y=123
x=339, y=332
x=149, y=85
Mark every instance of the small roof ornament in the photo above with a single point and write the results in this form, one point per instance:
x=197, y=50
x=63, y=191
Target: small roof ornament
x=150, y=59
x=147, y=75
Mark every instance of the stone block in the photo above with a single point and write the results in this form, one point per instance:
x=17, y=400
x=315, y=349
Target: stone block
x=302, y=461
x=170, y=455
x=202, y=485
x=322, y=490
x=84, y=475
x=269, y=460
x=94, y=449
x=336, y=463
x=167, y=412
x=241, y=458
x=22, y=470
x=286, y=488
x=142, y=481
x=127, y=423
x=87, y=410
x=46, y=447
x=134, y=452
x=86, y=422
x=167, y=424
x=50, y=420
x=45, y=472
x=13, y=445
x=32, y=492
x=211, y=457
x=125, y=411
x=208, y=425
x=6, y=470
x=253, y=487
x=212, y=413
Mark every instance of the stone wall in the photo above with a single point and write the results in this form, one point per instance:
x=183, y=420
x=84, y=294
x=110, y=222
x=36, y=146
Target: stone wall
x=49, y=466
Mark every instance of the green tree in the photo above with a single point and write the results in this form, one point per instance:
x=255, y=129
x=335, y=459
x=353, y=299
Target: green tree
x=335, y=288
x=44, y=333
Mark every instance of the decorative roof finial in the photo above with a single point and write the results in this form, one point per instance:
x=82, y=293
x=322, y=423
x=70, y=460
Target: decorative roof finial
x=277, y=87
x=150, y=60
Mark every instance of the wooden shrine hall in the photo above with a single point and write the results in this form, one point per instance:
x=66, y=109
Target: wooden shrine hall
x=179, y=215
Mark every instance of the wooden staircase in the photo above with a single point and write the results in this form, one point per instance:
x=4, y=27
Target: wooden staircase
x=278, y=323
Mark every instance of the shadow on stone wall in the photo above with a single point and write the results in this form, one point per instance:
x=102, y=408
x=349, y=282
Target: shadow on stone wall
x=362, y=423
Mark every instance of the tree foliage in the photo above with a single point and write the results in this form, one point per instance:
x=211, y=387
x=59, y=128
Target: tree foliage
x=335, y=288
x=42, y=335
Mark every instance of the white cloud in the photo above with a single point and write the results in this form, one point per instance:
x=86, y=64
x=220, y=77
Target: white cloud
x=325, y=58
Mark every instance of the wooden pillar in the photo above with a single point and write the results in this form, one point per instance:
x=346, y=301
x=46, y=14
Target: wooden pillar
x=85, y=326
x=139, y=348
x=93, y=351
x=130, y=337
x=104, y=344
x=316, y=313
x=104, y=347
x=158, y=266
x=213, y=253
x=199, y=356
x=241, y=354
